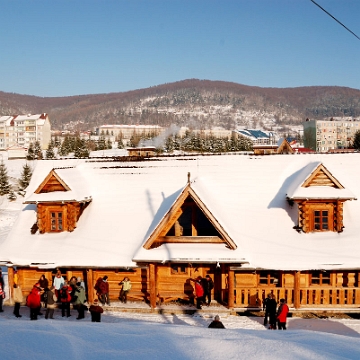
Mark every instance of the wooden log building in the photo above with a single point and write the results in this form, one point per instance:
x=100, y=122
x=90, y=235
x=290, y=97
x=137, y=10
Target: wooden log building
x=286, y=225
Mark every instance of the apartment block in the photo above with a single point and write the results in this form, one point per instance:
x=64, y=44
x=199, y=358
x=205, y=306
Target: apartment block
x=325, y=135
x=21, y=130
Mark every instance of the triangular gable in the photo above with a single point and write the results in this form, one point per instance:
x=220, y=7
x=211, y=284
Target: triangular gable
x=321, y=176
x=285, y=148
x=52, y=182
x=159, y=237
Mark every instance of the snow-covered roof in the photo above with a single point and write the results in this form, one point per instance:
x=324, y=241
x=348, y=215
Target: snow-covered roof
x=246, y=194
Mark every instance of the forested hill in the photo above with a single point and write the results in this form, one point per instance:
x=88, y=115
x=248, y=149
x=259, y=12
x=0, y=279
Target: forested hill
x=197, y=103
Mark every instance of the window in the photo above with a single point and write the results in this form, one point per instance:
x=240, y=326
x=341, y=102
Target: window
x=321, y=220
x=320, y=278
x=177, y=269
x=268, y=278
x=56, y=221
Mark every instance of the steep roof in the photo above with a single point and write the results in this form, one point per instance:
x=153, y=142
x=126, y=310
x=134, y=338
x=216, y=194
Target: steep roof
x=247, y=195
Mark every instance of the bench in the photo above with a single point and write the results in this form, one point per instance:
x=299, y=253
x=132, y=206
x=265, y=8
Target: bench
x=166, y=296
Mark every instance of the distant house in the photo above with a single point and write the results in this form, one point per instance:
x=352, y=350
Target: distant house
x=16, y=152
x=142, y=151
x=258, y=137
x=282, y=147
x=286, y=225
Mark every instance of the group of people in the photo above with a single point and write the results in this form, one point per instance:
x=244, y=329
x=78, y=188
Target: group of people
x=60, y=292
x=203, y=287
x=275, y=316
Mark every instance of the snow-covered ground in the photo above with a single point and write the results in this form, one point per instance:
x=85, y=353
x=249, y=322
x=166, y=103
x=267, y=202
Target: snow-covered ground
x=123, y=335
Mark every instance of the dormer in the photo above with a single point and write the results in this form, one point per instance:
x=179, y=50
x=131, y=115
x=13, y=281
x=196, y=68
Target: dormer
x=320, y=199
x=189, y=221
x=60, y=200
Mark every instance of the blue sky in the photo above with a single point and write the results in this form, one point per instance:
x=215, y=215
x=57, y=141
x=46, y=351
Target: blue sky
x=73, y=47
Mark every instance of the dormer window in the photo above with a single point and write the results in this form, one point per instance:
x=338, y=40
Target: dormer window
x=320, y=198
x=56, y=221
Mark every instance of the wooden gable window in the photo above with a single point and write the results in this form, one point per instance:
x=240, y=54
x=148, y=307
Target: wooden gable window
x=320, y=278
x=177, y=269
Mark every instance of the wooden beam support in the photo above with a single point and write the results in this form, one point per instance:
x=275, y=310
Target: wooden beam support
x=152, y=276
x=297, y=290
x=231, y=282
x=11, y=284
x=90, y=285
x=190, y=239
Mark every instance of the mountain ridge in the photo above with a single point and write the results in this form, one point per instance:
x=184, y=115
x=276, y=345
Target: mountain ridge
x=191, y=102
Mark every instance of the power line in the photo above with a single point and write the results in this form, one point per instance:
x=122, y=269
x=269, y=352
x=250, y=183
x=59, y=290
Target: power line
x=335, y=19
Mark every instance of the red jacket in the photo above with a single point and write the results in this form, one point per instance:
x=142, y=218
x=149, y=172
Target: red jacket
x=282, y=313
x=199, y=291
x=33, y=299
x=68, y=289
x=103, y=287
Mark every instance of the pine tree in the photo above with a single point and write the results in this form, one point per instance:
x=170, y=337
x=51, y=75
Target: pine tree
x=5, y=187
x=50, y=154
x=109, y=144
x=120, y=144
x=24, y=179
x=31, y=152
x=38, y=151
x=356, y=143
x=12, y=196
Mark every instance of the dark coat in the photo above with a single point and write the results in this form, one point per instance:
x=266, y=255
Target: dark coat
x=217, y=324
x=270, y=305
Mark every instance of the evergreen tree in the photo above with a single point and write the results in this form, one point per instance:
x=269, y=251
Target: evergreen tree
x=81, y=150
x=38, y=151
x=12, y=196
x=31, y=152
x=5, y=187
x=109, y=144
x=356, y=143
x=50, y=154
x=24, y=179
x=120, y=144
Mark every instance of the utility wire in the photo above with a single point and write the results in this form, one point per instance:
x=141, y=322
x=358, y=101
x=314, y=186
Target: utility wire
x=335, y=19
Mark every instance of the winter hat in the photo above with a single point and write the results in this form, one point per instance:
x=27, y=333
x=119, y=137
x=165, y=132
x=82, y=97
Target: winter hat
x=105, y=277
x=96, y=302
x=37, y=285
x=78, y=279
x=217, y=318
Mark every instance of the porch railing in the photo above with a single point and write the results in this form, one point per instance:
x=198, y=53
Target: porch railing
x=311, y=296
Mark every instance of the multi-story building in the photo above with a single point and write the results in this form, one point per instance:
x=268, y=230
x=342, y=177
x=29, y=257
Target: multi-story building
x=325, y=135
x=126, y=131
x=21, y=130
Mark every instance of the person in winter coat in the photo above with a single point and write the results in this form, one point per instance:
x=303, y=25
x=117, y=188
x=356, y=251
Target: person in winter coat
x=208, y=285
x=96, y=311
x=2, y=291
x=216, y=323
x=33, y=301
x=58, y=282
x=104, y=291
x=50, y=302
x=79, y=301
x=65, y=299
x=18, y=299
x=269, y=306
x=282, y=314
x=199, y=292
x=126, y=287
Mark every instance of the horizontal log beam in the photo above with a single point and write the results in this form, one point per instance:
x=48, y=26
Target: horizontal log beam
x=190, y=239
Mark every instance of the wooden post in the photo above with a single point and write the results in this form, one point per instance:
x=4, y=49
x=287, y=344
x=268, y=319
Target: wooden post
x=231, y=301
x=11, y=284
x=152, y=275
x=297, y=290
x=90, y=285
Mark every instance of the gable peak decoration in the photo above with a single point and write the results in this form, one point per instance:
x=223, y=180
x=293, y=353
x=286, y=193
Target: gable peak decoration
x=201, y=225
x=51, y=183
x=321, y=176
